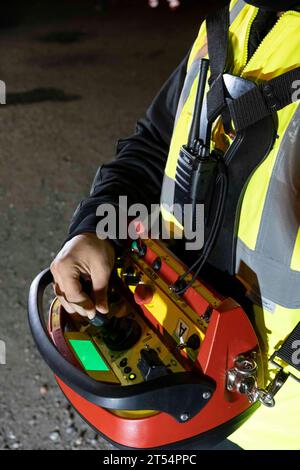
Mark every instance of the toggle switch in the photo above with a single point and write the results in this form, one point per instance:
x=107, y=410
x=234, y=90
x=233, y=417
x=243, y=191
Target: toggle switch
x=150, y=365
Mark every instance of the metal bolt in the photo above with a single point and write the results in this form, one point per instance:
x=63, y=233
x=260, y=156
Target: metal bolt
x=206, y=395
x=184, y=417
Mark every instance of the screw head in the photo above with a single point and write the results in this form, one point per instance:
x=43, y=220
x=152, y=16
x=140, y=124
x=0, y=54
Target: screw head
x=206, y=395
x=184, y=417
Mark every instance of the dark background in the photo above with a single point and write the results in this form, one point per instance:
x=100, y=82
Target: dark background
x=77, y=79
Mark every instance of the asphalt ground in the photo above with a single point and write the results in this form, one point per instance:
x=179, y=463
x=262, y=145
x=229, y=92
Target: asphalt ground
x=77, y=80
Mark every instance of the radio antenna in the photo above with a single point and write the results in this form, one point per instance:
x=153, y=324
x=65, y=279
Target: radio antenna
x=194, y=135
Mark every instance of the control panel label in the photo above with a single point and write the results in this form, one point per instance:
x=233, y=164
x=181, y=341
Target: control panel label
x=181, y=331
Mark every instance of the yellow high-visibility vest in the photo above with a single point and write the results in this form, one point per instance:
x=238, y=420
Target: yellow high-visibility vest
x=268, y=247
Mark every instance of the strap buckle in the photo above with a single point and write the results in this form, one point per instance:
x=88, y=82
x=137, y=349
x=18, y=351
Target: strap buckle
x=270, y=97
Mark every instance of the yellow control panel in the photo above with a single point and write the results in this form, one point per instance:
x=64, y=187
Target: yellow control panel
x=166, y=322
x=122, y=366
x=125, y=363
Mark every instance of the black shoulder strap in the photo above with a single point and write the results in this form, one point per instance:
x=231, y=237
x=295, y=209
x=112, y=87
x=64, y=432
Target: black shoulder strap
x=254, y=105
x=265, y=99
x=217, y=27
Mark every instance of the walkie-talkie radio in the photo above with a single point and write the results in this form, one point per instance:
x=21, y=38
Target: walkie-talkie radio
x=197, y=166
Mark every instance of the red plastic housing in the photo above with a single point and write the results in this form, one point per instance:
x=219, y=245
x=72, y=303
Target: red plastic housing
x=229, y=334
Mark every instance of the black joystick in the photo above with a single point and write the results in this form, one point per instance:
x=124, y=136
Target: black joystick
x=118, y=334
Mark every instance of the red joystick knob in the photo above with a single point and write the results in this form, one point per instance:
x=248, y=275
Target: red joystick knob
x=143, y=294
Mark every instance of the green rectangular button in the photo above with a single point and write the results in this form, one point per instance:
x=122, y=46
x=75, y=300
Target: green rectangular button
x=88, y=355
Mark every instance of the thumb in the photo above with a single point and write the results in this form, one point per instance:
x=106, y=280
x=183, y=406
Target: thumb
x=101, y=302
x=100, y=282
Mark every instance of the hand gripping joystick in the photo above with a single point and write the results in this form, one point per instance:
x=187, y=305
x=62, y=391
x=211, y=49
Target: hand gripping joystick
x=118, y=334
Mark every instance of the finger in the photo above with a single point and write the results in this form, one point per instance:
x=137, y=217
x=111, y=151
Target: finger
x=100, y=280
x=68, y=308
x=77, y=298
x=57, y=280
x=101, y=300
x=57, y=290
x=60, y=295
x=83, y=311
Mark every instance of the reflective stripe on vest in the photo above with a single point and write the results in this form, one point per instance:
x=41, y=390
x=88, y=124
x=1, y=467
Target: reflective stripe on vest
x=236, y=8
x=276, y=258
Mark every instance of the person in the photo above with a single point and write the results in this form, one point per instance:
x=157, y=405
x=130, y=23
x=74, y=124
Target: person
x=264, y=43
x=173, y=4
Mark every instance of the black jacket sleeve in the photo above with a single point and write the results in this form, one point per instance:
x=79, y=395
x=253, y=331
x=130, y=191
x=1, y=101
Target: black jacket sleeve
x=137, y=171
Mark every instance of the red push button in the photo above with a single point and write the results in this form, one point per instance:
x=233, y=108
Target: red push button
x=143, y=294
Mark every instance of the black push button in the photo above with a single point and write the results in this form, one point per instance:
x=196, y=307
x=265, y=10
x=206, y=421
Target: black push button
x=193, y=342
x=127, y=370
x=156, y=265
x=123, y=363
